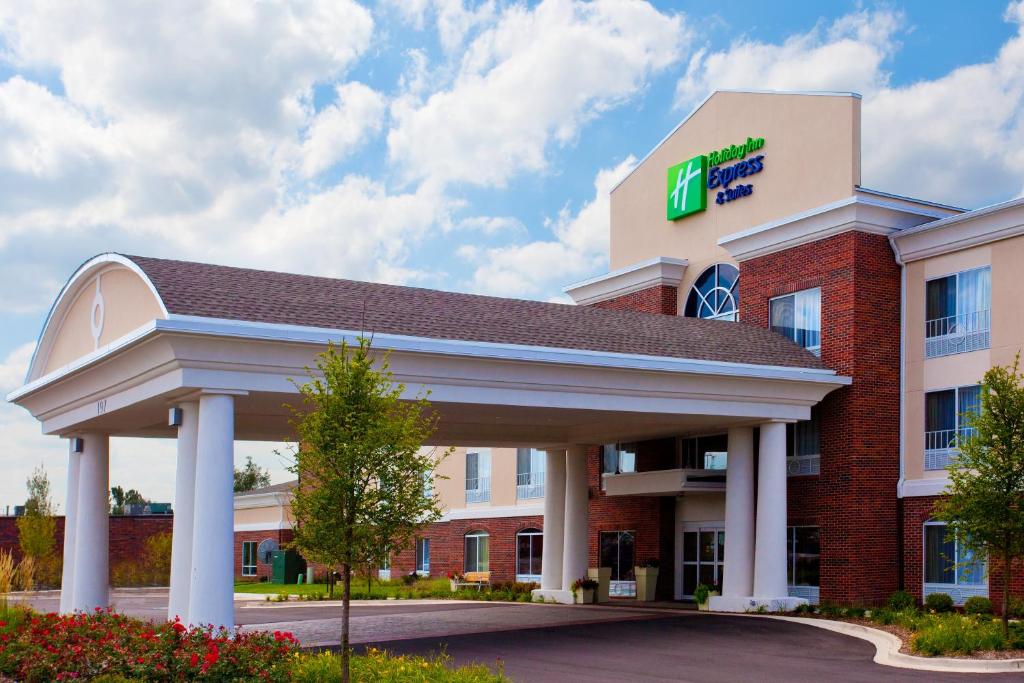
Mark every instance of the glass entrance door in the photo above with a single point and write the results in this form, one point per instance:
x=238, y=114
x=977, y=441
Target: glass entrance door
x=703, y=558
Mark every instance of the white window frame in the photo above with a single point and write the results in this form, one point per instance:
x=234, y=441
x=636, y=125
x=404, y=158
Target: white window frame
x=807, y=592
x=953, y=342
x=530, y=484
x=816, y=350
x=732, y=294
x=249, y=569
x=936, y=459
x=476, y=561
x=956, y=590
x=805, y=464
x=478, y=490
x=423, y=556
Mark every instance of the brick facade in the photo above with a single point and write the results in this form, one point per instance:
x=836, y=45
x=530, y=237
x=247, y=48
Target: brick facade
x=662, y=299
x=263, y=569
x=853, y=500
x=128, y=535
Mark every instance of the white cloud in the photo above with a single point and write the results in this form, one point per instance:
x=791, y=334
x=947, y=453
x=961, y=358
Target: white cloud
x=958, y=138
x=339, y=129
x=580, y=248
x=532, y=79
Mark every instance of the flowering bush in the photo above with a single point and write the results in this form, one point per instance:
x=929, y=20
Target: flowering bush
x=377, y=665
x=52, y=647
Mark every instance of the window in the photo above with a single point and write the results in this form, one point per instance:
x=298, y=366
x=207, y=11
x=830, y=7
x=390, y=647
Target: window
x=804, y=445
x=803, y=547
x=715, y=294
x=798, y=317
x=530, y=466
x=958, y=312
x=945, y=417
x=477, y=545
x=428, y=484
x=423, y=556
x=478, y=476
x=384, y=570
x=617, y=553
x=705, y=452
x=529, y=548
x=949, y=567
x=703, y=558
x=618, y=458
x=248, y=558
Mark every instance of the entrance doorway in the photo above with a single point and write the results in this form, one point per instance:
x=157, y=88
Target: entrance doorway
x=703, y=558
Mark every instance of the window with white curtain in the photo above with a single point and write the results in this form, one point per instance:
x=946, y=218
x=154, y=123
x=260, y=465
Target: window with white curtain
x=423, y=556
x=478, y=476
x=958, y=312
x=477, y=551
x=946, y=415
x=797, y=316
x=804, y=445
x=947, y=561
x=530, y=466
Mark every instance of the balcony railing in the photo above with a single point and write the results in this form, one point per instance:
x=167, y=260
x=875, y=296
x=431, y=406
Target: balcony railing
x=801, y=465
x=529, y=485
x=478, y=490
x=957, y=334
x=941, y=446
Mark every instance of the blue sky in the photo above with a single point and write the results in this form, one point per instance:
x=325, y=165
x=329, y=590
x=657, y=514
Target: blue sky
x=465, y=146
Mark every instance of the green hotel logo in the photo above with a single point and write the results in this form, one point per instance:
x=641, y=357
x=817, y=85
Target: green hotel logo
x=686, y=187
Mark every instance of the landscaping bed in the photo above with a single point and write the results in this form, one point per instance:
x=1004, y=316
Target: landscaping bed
x=395, y=589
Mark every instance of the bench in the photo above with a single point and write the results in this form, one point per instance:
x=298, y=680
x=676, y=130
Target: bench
x=477, y=579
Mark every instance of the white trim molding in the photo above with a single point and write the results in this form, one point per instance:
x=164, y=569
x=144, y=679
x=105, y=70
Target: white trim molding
x=263, y=526
x=493, y=512
x=654, y=272
x=863, y=213
x=981, y=226
x=913, y=488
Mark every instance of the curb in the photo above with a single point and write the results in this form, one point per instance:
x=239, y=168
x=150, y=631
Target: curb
x=887, y=650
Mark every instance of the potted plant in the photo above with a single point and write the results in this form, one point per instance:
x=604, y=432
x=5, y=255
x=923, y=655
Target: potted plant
x=583, y=591
x=453, y=580
x=701, y=594
x=647, y=580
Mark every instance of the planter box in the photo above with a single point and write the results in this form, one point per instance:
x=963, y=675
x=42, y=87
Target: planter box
x=584, y=596
x=704, y=606
x=646, y=583
x=603, y=577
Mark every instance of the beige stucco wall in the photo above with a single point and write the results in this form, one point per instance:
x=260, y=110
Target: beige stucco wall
x=269, y=515
x=452, y=491
x=812, y=157
x=1007, y=336
x=703, y=507
x=128, y=303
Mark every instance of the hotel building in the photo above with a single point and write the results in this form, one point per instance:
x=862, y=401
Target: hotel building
x=761, y=395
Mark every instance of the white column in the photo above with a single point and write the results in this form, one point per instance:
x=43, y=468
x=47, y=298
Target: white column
x=770, y=545
x=91, y=563
x=574, y=552
x=739, y=515
x=67, y=579
x=554, y=521
x=211, y=591
x=184, y=502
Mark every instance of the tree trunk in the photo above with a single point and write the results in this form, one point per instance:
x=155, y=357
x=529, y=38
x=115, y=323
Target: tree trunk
x=1006, y=587
x=346, y=597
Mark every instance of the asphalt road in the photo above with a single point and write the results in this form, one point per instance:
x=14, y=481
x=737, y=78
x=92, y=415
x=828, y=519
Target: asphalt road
x=681, y=648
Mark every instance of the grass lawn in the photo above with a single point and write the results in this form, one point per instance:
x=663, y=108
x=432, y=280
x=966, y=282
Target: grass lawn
x=423, y=588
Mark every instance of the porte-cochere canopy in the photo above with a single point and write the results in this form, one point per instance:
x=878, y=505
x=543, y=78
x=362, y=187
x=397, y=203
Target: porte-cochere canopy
x=130, y=337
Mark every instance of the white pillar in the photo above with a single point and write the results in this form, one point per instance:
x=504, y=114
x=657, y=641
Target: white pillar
x=770, y=545
x=67, y=579
x=574, y=547
x=184, y=502
x=739, y=515
x=211, y=590
x=554, y=521
x=91, y=582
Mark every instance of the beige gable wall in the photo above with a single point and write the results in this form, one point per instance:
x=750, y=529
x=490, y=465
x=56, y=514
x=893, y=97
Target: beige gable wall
x=452, y=491
x=812, y=158
x=128, y=303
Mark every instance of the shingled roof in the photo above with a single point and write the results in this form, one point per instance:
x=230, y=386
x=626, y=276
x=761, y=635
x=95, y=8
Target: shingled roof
x=199, y=289
x=284, y=487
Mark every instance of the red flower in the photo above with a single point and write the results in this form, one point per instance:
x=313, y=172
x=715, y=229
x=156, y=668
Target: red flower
x=179, y=627
x=195, y=659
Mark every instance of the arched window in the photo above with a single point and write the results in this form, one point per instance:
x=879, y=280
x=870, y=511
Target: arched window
x=529, y=548
x=477, y=551
x=715, y=294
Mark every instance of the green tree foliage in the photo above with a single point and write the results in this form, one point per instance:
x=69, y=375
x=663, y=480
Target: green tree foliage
x=122, y=498
x=985, y=505
x=37, y=528
x=251, y=477
x=361, y=466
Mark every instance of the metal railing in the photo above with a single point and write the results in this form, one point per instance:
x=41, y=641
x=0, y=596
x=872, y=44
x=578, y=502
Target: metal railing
x=940, y=446
x=529, y=485
x=478, y=490
x=800, y=465
x=957, y=334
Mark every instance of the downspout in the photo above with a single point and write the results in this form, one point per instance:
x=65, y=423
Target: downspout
x=903, y=365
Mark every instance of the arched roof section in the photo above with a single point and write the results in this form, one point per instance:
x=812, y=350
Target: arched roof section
x=108, y=297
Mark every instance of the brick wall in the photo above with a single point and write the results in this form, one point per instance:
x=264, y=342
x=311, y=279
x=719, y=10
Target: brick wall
x=853, y=501
x=658, y=299
x=263, y=569
x=128, y=535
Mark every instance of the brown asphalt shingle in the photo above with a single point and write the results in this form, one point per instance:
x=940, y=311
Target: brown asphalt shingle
x=200, y=289
x=273, y=488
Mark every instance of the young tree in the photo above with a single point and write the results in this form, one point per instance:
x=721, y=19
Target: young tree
x=37, y=528
x=251, y=477
x=122, y=498
x=985, y=505
x=360, y=465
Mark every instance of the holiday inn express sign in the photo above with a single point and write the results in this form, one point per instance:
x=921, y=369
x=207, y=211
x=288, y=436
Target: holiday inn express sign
x=690, y=181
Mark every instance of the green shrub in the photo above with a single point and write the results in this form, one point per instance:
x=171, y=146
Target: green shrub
x=977, y=605
x=956, y=634
x=1015, y=641
x=377, y=665
x=1016, y=610
x=701, y=593
x=938, y=603
x=855, y=612
x=900, y=601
